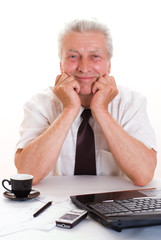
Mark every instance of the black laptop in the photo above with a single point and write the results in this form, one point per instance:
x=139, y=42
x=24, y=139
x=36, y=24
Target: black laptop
x=123, y=209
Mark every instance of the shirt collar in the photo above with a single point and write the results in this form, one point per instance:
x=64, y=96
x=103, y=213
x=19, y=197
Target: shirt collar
x=78, y=117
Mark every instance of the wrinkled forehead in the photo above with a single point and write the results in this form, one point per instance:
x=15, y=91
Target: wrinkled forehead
x=89, y=41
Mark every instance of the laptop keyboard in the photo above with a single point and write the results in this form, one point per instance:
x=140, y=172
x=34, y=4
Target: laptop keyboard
x=128, y=207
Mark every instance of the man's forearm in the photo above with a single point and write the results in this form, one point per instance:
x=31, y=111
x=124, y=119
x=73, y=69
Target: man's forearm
x=133, y=157
x=39, y=156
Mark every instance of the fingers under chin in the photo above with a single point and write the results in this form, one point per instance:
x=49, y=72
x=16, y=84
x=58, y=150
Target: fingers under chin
x=96, y=87
x=106, y=79
x=57, y=79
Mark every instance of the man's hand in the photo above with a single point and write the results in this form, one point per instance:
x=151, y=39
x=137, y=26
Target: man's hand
x=104, y=91
x=67, y=90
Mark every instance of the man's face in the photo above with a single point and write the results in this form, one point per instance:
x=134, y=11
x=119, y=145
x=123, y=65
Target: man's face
x=85, y=56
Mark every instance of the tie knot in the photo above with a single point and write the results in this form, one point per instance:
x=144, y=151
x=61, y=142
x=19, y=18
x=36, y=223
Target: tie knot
x=86, y=114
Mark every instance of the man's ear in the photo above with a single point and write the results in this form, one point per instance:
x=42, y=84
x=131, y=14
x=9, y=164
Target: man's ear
x=109, y=68
x=61, y=69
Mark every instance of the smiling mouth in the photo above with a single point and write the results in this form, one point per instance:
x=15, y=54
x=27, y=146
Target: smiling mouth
x=85, y=78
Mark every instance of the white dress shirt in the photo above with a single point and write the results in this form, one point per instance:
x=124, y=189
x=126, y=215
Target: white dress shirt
x=128, y=108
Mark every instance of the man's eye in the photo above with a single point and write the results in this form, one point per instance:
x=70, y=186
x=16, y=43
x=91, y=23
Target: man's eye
x=95, y=57
x=73, y=57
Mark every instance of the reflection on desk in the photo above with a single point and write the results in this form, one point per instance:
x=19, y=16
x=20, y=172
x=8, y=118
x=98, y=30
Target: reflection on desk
x=59, y=189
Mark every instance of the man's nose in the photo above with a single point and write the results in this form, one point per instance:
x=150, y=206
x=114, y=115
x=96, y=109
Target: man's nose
x=84, y=65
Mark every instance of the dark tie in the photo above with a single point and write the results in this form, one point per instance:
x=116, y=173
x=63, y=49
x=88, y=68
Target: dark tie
x=85, y=163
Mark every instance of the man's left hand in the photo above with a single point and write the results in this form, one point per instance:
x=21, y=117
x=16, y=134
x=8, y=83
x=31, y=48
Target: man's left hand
x=104, y=91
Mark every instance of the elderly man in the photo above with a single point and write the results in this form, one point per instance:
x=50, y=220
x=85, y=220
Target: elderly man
x=123, y=141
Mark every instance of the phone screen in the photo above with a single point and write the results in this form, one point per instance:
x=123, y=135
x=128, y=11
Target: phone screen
x=69, y=216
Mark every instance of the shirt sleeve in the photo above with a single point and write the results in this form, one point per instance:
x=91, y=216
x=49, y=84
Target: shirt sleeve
x=134, y=119
x=39, y=113
x=33, y=125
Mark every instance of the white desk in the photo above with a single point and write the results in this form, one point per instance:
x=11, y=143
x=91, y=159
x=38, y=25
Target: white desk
x=63, y=187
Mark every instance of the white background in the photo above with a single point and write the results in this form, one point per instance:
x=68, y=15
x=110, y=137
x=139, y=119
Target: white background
x=29, y=60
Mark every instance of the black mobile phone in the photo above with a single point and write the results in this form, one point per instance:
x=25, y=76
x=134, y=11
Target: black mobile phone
x=71, y=218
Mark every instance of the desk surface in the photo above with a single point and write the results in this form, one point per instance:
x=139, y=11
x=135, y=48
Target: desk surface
x=63, y=187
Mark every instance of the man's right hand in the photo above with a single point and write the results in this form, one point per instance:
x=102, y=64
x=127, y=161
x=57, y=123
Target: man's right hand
x=40, y=151
x=67, y=89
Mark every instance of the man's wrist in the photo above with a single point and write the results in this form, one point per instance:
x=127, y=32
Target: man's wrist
x=71, y=111
x=99, y=112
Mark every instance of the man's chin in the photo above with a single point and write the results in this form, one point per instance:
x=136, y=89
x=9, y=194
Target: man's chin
x=86, y=90
x=85, y=93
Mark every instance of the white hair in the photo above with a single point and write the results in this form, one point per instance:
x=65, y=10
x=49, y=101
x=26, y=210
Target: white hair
x=86, y=25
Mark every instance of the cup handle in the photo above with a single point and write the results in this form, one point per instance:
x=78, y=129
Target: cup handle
x=9, y=182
